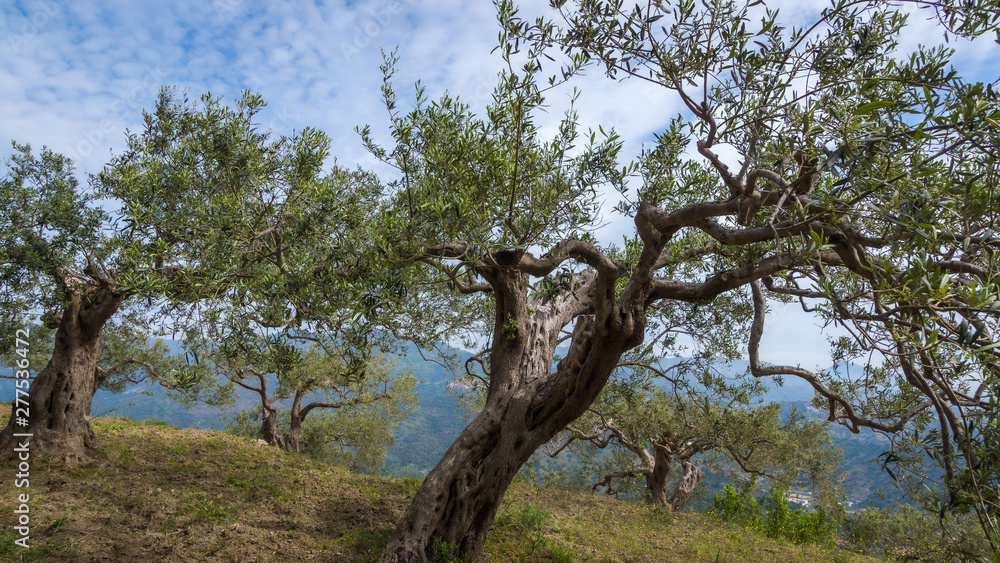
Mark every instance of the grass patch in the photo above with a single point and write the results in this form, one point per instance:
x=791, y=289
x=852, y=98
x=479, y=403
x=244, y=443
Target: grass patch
x=162, y=493
x=85, y=472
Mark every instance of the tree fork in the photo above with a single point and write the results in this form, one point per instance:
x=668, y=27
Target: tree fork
x=457, y=502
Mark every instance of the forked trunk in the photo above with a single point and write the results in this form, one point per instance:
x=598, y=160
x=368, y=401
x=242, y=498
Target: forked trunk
x=288, y=441
x=526, y=405
x=53, y=418
x=690, y=477
x=656, y=479
x=270, y=433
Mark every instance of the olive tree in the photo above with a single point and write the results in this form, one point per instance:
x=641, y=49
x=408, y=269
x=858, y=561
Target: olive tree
x=885, y=159
x=352, y=413
x=270, y=244
x=61, y=273
x=202, y=202
x=810, y=162
x=652, y=431
x=334, y=366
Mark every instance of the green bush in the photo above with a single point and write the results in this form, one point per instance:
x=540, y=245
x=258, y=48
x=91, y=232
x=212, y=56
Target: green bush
x=533, y=517
x=443, y=552
x=910, y=534
x=739, y=507
x=772, y=516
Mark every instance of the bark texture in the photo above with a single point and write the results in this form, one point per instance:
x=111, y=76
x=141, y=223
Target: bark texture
x=690, y=477
x=527, y=404
x=60, y=397
x=656, y=478
x=269, y=431
x=458, y=500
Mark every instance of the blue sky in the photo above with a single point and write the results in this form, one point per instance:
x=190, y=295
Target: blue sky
x=75, y=75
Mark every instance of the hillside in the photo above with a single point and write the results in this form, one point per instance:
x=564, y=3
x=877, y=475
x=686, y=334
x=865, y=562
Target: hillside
x=421, y=440
x=161, y=493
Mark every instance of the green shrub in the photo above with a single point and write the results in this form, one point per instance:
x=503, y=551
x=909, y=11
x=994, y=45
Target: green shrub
x=532, y=516
x=772, y=516
x=443, y=552
x=739, y=507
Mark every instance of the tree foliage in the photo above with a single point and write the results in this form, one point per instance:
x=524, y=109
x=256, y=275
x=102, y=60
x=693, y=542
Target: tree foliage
x=285, y=300
x=203, y=206
x=652, y=431
x=51, y=231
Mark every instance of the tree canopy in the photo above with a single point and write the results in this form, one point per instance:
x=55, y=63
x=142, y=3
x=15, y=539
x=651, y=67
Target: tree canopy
x=203, y=217
x=273, y=248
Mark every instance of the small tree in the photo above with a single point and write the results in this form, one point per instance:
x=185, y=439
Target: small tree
x=353, y=414
x=652, y=431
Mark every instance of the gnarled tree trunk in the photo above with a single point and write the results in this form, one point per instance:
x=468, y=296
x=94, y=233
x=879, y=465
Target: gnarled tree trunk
x=526, y=406
x=297, y=416
x=272, y=435
x=59, y=399
x=691, y=475
x=656, y=478
x=288, y=441
x=657, y=484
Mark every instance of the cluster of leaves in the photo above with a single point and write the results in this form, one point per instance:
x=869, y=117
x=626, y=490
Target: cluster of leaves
x=259, y=252
x=50, y=234
x=493, y=183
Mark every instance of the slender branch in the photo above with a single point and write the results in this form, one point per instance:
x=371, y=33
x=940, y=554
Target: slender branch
x=346, y=403
x=840, y=407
